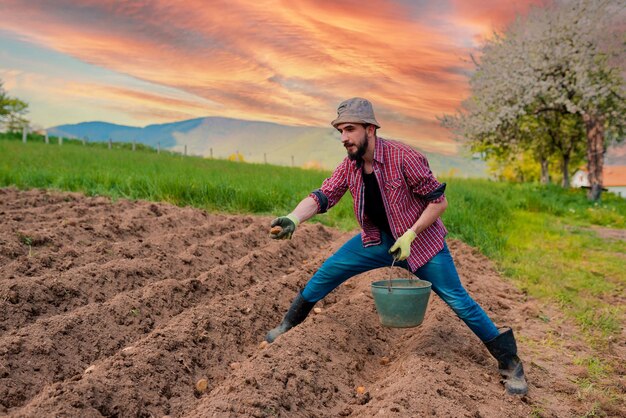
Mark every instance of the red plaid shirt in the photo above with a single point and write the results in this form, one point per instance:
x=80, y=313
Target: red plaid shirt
x=404, y=178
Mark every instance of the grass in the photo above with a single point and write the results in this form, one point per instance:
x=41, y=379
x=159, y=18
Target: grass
x=214, y=185
x=541, y=237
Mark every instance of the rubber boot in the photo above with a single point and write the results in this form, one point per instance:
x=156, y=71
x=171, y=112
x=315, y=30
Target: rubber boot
x=298, y=311
x=504, y=349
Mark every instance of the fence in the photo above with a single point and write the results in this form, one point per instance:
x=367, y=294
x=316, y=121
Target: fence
x=236, y=156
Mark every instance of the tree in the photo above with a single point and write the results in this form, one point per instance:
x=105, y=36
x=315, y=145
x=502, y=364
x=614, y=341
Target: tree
x=15, y=120
x=561, y=66
x=3, y=103
x=12, y=111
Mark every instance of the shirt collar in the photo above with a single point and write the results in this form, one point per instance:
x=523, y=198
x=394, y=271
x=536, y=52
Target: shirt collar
x=378, y=150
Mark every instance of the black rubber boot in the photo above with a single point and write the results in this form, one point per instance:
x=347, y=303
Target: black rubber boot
x=298, y=311
x=504, y=349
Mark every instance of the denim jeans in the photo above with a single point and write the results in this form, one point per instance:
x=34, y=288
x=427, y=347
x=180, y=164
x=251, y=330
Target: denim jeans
x=352, y=259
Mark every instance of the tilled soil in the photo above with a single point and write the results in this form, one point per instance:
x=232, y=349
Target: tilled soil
x=120, y=308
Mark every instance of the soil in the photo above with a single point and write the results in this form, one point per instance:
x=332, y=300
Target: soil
x=147, y=309
x=610, y=233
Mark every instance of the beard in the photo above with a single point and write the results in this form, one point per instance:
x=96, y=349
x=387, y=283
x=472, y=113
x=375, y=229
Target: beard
x=360, y=150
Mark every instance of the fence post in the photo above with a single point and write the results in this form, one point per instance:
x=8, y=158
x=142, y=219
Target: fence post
x=134, y=146
x=60, y=140
x=292, y=164
x=211, y=152
x=110, y=143
x=47, y=139
x=24, y=134
x=84, y=141
x=265, y=158
x=185, y=150
x=158, y=147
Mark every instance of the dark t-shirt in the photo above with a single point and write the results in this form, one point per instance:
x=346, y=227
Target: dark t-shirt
x=374, y=206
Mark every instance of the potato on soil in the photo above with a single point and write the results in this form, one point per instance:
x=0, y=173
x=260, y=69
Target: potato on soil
x=263, y=345
x=360, y=390
x=275, y=230
x=201, y=385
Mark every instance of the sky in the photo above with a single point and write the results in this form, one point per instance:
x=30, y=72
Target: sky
x=290, y=62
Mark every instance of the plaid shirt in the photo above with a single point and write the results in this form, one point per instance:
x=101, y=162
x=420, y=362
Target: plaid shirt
x=405, y=179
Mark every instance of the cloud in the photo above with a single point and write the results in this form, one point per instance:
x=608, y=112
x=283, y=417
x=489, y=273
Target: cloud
x=282, y=61
x=486, y=16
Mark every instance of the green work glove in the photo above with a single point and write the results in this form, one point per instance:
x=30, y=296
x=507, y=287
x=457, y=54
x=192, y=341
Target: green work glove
x=284, y=227
x=402, y=247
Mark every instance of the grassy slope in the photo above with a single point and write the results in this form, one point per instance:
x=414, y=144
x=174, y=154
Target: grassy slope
x=539, y=236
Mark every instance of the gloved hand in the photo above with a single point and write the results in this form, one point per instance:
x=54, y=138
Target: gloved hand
x=401, y=249
x=287, y=223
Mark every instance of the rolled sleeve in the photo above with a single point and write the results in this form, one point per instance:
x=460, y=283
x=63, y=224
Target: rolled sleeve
x=321, y=200
x=332, y=189
x=437, y=195
x=439, y=199
x=421, y=179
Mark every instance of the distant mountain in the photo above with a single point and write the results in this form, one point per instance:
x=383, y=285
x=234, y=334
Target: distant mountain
x=96, y=131
x=149, y=135
x=256, y=141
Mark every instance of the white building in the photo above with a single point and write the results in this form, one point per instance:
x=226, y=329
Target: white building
x=613, y=179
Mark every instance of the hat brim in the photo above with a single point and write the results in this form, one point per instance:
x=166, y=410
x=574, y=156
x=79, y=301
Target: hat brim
x=354, y=119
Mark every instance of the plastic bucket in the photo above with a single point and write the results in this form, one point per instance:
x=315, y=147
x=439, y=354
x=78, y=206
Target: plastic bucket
x=401, y=303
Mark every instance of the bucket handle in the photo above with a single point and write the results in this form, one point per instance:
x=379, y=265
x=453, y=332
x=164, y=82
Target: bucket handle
x=391, y=274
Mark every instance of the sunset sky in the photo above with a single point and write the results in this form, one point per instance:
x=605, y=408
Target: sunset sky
x=290, y=62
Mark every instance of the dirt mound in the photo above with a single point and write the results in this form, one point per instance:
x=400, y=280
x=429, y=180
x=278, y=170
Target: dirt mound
x=118, y=309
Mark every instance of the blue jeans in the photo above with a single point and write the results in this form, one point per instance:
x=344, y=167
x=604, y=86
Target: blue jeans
x=352, y=259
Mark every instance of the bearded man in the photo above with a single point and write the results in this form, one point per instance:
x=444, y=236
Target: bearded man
x=398, y=203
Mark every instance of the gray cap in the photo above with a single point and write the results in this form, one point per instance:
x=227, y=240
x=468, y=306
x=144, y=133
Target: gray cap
x=355, y=110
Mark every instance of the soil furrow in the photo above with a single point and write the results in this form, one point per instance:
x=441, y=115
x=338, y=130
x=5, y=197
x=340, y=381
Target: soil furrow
x=119, y=308
x=202, y=341
x=118, y=322
x=134, y=264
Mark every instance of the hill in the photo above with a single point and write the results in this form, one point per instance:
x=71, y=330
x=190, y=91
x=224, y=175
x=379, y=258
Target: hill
x=256, y=141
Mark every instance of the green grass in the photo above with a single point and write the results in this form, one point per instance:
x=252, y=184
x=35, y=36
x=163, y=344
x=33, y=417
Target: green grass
x=214, y=185
x=539, y=236
x=542, y=238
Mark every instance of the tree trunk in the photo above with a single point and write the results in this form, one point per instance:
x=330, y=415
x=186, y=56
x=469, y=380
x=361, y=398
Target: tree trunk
x=594, y=126
x=565, y=182
x=545, y=174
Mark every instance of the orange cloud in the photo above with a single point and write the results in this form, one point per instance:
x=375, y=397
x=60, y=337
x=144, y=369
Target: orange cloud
x=485, y=16
x=281, y=61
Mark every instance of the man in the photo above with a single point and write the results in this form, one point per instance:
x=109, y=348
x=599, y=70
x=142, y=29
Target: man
x=398, y=203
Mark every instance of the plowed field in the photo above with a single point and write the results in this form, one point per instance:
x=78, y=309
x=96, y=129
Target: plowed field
x=120, y=308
